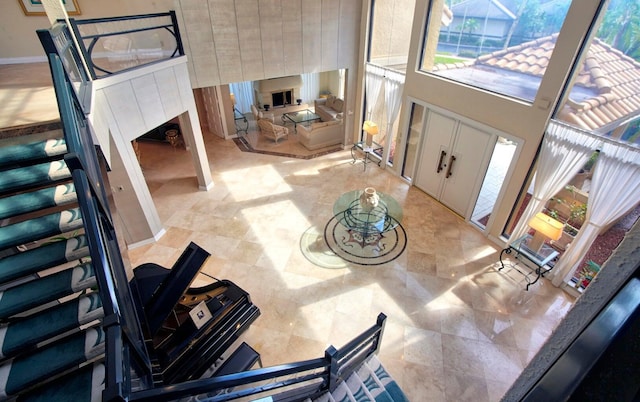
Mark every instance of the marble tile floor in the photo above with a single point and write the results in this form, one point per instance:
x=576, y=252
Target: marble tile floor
x=457, y=329
x=27, y=95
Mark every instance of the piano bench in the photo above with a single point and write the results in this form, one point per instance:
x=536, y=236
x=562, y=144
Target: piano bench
x=242, y=359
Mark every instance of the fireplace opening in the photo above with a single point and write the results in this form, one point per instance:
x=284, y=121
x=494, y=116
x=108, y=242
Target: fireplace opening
x=281, y=98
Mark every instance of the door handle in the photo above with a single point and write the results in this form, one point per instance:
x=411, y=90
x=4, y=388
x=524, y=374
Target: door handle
x=442, y=156
x=449, y=172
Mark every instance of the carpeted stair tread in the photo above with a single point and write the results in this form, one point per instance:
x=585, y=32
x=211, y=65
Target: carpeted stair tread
x=29, y=176
x=30, y=369
x=35, y=150
x=85, y=384
x=46, y=256
x=40, y=228
x=46, y=289
x=38, y=327
x=386, y=380
x=368, y=379
x=36, y=200
x=370, y=382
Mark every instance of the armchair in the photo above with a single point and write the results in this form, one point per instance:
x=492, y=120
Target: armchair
x=272, y=131
x=259, y=114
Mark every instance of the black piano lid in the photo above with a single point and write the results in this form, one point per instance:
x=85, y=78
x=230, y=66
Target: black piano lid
x=167, y=294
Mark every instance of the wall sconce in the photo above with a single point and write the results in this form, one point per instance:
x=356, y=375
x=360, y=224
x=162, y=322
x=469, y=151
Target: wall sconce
x=371, y=129
x=546, y=228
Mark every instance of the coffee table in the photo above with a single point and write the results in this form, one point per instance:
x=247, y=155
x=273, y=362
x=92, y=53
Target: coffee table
x=299, y=117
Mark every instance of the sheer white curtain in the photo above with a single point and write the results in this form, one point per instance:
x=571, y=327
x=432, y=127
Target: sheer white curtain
x=564, y=152
x=243, y=91
x=374, y=77
x=615, y=190
x=342, y=81
x=310, y=87
x=393, y=84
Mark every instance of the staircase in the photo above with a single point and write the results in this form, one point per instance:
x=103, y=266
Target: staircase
x=51, y=340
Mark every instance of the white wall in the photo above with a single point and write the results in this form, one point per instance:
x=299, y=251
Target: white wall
x=128, y=105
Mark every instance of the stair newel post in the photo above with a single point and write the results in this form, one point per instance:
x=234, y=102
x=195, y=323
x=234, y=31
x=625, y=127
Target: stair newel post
x=331, y=356
x=380, y=322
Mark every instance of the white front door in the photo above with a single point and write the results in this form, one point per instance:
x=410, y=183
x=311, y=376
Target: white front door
x=453, y=162
x=432, y=167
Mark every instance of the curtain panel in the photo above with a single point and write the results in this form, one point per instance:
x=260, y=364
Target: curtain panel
x=615, y=191
x=310, y=87
x=393, y=85
x=243, y=92
x=564, y=152
x=374, y=78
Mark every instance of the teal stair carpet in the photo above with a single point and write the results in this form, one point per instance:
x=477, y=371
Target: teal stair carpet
x=370, y=382
x=51, y=341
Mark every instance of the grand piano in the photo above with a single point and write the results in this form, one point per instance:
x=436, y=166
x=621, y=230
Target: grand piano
x=187, y=329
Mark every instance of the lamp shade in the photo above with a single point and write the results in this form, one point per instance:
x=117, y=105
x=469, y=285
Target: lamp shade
x=546, y=225
x=233, y=99
x=370, y=127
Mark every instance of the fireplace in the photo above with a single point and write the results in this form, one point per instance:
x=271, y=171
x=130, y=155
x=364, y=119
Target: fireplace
x=281, y=98
x=277, y=92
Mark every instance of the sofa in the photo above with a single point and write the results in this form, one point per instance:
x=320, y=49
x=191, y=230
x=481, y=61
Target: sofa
x=329, y=108
x=321, y=134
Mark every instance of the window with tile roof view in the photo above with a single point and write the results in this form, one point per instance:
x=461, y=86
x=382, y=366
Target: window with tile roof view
x=501, y=46
x=605, y=96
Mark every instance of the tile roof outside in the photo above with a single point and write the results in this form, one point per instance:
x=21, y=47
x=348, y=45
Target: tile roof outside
x=612, y=77
x=479, y=9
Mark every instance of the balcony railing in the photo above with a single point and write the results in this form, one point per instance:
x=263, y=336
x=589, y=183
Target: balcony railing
x=116, y=44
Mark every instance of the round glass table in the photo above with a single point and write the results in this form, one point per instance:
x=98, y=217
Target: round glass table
x=366, y=237
x=384, y=217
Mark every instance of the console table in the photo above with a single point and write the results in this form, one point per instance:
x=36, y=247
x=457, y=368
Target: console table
x=367, y=150
x=521, y=251
x=242, y=124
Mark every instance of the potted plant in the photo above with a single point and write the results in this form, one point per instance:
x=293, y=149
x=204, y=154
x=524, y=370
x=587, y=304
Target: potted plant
x=587, y=273
x=569, y=209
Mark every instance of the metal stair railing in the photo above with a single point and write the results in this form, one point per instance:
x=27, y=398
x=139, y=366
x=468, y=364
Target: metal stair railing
x=116, y=37
x=291, y=381
x=125, y=348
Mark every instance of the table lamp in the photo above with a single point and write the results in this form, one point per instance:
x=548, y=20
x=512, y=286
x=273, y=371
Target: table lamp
x=546, y=228
x=371, y=129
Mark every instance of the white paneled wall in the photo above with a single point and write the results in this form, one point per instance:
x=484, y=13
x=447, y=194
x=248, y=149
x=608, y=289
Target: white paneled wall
x=311, y=36
x=128, y=105
x=248, y=40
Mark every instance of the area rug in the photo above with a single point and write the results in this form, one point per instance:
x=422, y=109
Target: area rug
x=337, y=244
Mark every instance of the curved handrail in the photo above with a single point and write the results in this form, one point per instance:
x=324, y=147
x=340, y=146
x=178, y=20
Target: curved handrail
x=93, y=39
